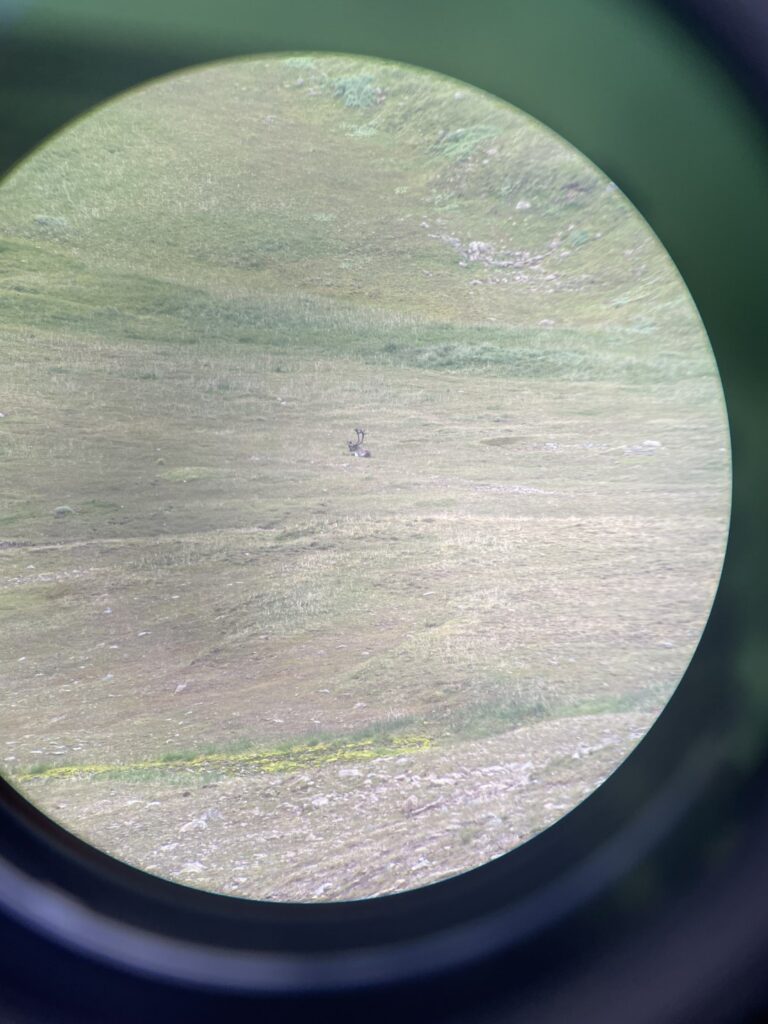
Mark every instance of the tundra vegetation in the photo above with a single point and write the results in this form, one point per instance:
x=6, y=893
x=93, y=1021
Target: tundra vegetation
x=240, y=658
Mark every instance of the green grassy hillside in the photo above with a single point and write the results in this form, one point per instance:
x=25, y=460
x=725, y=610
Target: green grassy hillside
x=204, y=287
x=279, y=195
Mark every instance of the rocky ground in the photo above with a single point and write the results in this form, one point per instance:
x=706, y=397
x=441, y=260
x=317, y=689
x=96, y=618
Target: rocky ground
x=353, y=831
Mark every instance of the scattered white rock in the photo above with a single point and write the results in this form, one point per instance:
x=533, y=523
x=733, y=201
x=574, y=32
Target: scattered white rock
x=193, y=867
x=477, y=250
x=194, y=825
x=421, y=864
x=645, y=448
x=180, y=688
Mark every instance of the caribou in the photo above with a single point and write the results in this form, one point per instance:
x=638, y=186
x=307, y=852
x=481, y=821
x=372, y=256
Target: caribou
x=356, y=447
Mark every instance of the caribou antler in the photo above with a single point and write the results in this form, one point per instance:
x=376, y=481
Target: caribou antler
x=356, y=447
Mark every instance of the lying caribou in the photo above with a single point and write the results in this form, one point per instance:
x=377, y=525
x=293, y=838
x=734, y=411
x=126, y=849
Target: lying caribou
x=356, y=447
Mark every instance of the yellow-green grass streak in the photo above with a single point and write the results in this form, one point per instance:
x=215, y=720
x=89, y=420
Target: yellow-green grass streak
x=287, y=759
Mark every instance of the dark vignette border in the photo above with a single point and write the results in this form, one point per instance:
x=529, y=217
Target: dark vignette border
x=613, y=899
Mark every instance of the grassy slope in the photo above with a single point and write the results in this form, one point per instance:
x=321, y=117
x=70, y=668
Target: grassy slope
x=202, y=291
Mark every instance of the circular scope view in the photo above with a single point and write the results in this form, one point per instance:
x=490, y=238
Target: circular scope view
x=366, y=478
